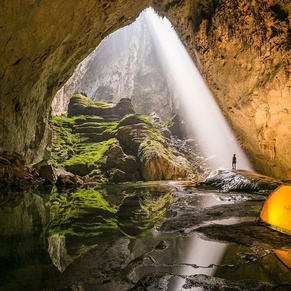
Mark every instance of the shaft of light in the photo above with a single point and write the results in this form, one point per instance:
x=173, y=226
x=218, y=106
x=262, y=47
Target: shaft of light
x=198, y=103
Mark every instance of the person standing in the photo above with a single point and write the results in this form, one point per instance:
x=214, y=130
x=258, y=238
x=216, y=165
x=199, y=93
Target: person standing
x=234, y=162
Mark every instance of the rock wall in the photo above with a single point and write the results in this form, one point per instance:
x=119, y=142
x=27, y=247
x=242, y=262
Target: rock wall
x=242, y=49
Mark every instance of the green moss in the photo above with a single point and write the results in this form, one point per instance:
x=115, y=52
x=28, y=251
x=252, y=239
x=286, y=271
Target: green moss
x=69, y=213
x=98, y=126
x=71, y=144
x=100, y=104
x=89, y=153
x=156, y=208
x=85, y=101
x=82, y=100
x=87, y=119
x=169, y=122
x=63, y=138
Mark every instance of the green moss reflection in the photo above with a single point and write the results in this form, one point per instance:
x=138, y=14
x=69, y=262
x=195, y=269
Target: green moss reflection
x=88, y=212
x=81, y=213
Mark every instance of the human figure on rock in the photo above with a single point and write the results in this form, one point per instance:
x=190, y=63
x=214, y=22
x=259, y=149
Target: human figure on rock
x=234, y=162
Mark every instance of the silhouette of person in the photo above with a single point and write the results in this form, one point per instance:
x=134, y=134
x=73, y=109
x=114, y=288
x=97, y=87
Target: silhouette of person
x=234, y=162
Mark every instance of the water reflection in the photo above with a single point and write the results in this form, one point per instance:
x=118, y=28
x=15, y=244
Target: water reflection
x=81, y=218
x=110, y=239
x=23, y=252
x=284, y=255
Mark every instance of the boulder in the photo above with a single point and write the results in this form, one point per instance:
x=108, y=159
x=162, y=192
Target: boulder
x=238, y=180
x=159, y=164
x=77, y=105
x=115, y=158
x=80, y=169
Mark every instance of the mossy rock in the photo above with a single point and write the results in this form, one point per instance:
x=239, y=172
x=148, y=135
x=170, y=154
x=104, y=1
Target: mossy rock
x=96, y=137
x=80, y=169
x=96, y=111
x=133, y=148
x=87, y=119
x=77, y=104
x=115, y=157
x=132, y=119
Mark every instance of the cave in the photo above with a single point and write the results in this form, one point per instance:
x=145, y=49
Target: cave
x=244, y=63
x=242, y=51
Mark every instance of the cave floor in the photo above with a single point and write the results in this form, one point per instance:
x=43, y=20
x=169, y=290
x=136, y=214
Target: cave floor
x=154, y=236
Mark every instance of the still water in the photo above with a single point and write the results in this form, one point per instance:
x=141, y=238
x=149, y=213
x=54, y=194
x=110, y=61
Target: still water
x=135, y=237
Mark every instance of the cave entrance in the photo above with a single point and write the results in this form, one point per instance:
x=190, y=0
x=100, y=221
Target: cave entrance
x=147, y=63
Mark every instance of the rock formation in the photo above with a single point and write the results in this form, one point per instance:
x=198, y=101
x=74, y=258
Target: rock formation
x=104, y=142
x=14, y=174
x=239, y=180
x=241, y=47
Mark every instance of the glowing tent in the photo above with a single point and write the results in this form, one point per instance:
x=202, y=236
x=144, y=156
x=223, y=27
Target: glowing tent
x=276, y=210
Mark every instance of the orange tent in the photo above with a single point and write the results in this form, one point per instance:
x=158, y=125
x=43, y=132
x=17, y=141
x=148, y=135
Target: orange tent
x=276, y=210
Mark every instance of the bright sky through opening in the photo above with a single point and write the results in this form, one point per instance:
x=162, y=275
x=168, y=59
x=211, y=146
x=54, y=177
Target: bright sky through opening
x=198, y=103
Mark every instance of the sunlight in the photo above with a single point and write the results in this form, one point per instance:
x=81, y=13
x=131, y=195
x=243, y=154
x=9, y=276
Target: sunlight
x=198, y=103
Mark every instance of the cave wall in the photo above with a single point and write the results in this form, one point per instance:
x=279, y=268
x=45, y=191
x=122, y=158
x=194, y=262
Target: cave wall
x=242, y=49
x=41, y=43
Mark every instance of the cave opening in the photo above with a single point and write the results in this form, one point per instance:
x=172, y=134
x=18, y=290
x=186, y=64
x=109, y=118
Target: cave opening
x=147, y=63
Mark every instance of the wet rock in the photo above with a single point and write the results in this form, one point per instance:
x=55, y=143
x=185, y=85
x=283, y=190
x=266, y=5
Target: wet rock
x=46, y=172
x=58, y=252
x=238, y=180
x=15, y=175
x=67, y=179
